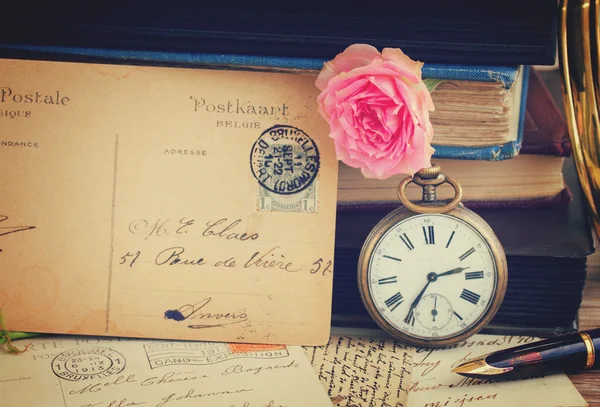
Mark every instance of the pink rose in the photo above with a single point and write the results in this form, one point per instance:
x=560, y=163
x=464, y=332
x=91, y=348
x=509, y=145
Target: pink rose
x=377, y=107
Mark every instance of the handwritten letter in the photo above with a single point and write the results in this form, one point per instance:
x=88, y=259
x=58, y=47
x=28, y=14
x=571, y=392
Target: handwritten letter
x=113, y=372
x=434, y=385
x=359, y=371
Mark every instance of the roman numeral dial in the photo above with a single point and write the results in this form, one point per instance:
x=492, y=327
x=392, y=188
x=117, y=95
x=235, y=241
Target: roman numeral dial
x=470, y=296
x=407, y=242
x=388, y=280
x=431, y=276
x=429, y=234
x=394, y=301
x=473, y=275
x=467, y=253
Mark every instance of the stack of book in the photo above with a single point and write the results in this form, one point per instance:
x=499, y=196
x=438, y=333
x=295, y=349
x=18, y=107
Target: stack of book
x=526, y=188
x=497, y=129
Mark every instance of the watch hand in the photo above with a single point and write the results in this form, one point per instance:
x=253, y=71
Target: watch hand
x=434, y=310
x=415, y=303
x=453, y=271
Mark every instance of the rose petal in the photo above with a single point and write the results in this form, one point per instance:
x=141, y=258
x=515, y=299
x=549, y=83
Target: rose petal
x=402, y=60
x=356, y=55
x=378, y=110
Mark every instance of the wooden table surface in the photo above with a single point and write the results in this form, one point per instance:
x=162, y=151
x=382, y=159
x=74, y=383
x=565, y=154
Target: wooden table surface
x=588, y=383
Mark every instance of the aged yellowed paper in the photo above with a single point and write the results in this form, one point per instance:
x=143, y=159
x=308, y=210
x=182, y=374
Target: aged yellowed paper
x=433, y=384
x=363, y=371
x=111, y=372
x=165, y=203
x=375, y=370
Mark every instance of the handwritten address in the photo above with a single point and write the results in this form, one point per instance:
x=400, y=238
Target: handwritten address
x=179, y=256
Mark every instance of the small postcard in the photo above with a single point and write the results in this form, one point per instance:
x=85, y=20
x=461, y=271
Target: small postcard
x=166, y=203
x=112, y=372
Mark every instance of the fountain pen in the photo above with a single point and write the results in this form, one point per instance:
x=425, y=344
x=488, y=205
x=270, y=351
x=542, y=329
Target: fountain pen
x=569, y=354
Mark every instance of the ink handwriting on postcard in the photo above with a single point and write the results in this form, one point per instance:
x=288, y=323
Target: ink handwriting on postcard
x=137, y=234
x=224, y=229
x=113, y=372
x=8, y=230
x=359, y=371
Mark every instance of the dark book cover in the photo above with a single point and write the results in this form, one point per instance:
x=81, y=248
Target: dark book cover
x=546, y=249
x=458, y=32
x=545, y=129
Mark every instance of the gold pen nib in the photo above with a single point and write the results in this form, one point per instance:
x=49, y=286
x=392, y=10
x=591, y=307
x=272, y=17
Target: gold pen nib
x=478, y=366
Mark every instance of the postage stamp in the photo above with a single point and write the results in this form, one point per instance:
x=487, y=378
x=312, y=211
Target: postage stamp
x=285, y=161
x=88, y=364
x=207, y=353
x=303, y=201
x=248, y=347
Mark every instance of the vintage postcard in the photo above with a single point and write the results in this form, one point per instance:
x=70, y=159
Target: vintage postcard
x=165, y=203
x=112, y=372
x=378, y=371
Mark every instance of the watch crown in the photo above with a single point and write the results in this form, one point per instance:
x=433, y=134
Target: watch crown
x=430, y=173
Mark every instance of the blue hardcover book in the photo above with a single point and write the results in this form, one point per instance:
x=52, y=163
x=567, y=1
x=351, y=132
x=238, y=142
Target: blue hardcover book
x=514, y=32
x=479, y=109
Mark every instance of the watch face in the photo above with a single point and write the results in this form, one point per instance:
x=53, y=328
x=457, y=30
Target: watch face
x=432, y=276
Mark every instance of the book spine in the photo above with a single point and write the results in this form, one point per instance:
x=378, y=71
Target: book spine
x=503, y=74
x=492, y=153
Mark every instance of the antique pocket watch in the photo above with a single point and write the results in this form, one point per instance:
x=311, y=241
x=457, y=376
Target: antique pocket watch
x=432, y=273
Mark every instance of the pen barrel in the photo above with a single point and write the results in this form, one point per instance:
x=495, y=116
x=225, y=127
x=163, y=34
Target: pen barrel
x=568, y=353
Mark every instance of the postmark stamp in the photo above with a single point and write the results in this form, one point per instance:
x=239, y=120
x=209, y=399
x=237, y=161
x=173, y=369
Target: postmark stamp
x=284, y=160
x=88, y=364
x=207, y=353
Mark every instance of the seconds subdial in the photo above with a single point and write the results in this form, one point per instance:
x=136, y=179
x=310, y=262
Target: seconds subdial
x=434, y=311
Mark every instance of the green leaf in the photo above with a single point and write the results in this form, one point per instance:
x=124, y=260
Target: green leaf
x=432, y=83
x=6, y=337
x=2, y=322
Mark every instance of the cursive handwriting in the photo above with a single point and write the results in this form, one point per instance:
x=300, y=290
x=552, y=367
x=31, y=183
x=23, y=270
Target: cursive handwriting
x=271, y=403
x=116, y=403
x=198, y=312
x=96, y=387
x=172, y=256
x=429, y=365
x=172, y=377
x=8, y=230
x=132, y=379
x=364, y=371
x=497, y=341
x=237, y=369
x=270, y=260
x=323, y=267
x=221, y=228
x=161, y=227
x=460, y=402
x=191, y=395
